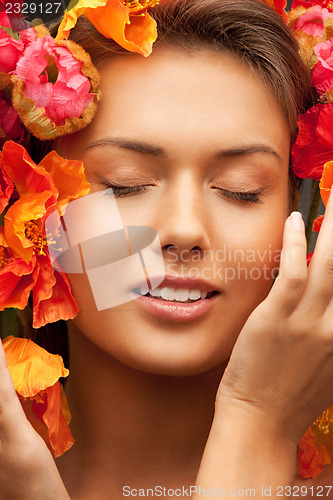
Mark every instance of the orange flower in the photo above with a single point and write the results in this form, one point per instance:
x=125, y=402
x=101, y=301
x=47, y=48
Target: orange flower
x=326, y=182
x=127, y=22
x=42, y=189
x=6, y=188
x=35, y=373
x=325, y=185
x=316, y=445
x=279, y=6
x=310, y=461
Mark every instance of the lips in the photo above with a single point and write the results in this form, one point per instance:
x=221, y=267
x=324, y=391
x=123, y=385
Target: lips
x=178, y=298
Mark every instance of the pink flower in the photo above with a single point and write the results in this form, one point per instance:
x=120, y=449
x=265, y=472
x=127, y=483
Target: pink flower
x=312, y=21
x=310, y=3
x=322, y=74
x=53, y=80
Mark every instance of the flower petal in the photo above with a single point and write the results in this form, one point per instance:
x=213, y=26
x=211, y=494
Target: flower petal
x=317, y=223
x=27, y=208
x=6, y=188
x=312, y=148
x=51, y=413
x=32, y=368
x=26, y=175
x=326, y=182
x=52, y=296
x=68, y=176
x=309, y=460
x=16, y=283
x=75, y=9
x=112, y=22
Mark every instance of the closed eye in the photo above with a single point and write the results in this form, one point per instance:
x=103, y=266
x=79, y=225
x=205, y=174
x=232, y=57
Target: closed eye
x=244, y=196
x=122, y=191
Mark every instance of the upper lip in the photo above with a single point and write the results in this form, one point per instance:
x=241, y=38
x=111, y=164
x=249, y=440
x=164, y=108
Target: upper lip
x=187, y=283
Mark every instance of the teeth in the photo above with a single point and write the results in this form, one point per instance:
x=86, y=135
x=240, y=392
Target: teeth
x=194, y=294
x=181, y=295
x=156, y=292
x=174, y=294
x=177, y=294
x=168, y=293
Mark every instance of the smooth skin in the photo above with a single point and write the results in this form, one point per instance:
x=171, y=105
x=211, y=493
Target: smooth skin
x=147, y=401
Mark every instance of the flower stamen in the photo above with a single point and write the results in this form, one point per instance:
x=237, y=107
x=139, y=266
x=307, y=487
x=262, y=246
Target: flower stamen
x=3, y=260
x=32, y=233
x=139, y=5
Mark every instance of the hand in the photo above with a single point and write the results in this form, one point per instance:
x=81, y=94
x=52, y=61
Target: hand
x=281, y=368
x=27, y=469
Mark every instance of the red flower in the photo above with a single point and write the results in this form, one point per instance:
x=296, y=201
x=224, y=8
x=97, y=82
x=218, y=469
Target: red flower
x=42, y=189
x=317, y=223
x=327, y=4
x=308, y=258
x=278, y=5
x=11, y=49
x=314, y=143
x=6, y=188
x=10, y=15
x=11, y=126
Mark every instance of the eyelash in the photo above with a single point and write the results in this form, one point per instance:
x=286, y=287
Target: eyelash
x=247, y=197
x=123, y=191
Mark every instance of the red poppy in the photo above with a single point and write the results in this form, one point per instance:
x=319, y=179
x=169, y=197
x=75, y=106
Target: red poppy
x=314, y=143
x=278, y=5
x=6, y=188
x=42, y=189
x=317, y=223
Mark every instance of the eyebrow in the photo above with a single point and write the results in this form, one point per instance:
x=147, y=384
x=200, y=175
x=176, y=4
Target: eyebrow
x=137, y=146
x=149, y=149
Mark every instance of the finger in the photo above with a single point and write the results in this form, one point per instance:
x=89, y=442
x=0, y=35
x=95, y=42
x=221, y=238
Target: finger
x=11, y=412
x=321, y=266
x=290, y=283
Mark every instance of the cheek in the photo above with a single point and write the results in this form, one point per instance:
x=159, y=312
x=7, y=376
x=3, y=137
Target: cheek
x=249, y=245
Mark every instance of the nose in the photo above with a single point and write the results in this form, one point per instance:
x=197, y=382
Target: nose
x=183, y=220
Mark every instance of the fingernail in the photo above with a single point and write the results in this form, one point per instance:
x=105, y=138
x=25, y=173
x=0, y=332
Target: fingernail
x=296, y=221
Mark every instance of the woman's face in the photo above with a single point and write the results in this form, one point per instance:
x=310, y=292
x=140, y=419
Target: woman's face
x=194, y=129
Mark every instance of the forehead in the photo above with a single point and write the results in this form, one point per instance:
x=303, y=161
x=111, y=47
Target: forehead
x=196, y=101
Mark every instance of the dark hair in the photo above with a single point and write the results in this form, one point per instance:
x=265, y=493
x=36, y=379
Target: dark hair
x=250, y=29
